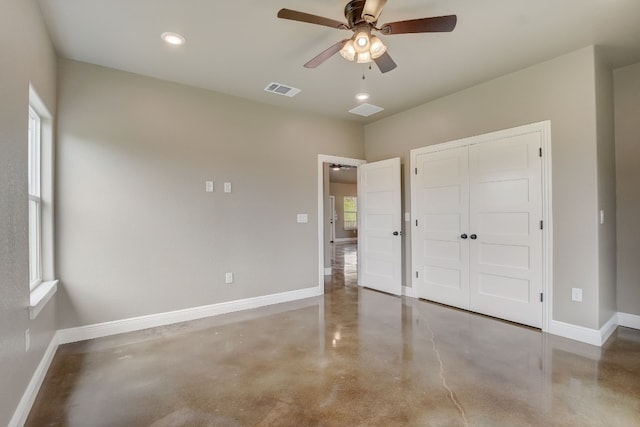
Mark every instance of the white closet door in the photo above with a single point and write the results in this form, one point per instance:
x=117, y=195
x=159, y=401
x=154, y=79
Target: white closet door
x=440, y=250
x=505, y=213
x=380, y=222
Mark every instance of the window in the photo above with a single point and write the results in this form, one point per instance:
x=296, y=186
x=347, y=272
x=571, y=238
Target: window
x=35, y=200
x=42, y=281
x=350, y=208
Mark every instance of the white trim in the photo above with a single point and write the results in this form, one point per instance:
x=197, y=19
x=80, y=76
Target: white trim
x=322, y=159
x=608, y=328
x=408, y=291
x=161, y=319
x=547, y=231
x=575, y=332
x=544, y=128
x=328, y=271
x=346, y=239
x=29, y=396
x=39, y=297
x=586, y=335
x=629, y=320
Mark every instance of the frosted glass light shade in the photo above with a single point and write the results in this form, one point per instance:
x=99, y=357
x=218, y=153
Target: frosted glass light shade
x=364, y=57
x=377, y=48
x=348, y=51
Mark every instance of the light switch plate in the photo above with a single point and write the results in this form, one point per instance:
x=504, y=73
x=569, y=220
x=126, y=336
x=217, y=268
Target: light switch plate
x=228, y=278
x=576, y=294
x=227, y=187
x=602, y=217
x=303, y=218
x=208, y=186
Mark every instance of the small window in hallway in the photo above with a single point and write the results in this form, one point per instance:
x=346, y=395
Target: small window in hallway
x=350, y=213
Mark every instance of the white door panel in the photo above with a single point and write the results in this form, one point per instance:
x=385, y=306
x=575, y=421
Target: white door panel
x=379, y=219
x=505, y=212
x=442, y=186
x=489, y=191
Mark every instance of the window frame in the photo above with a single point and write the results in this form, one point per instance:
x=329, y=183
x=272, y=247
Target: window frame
x=35, y=197
x=345, y=212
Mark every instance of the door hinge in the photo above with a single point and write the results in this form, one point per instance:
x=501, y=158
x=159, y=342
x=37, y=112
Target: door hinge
x=541, y=225
x=540, y=152
x=416, y=171
x=416, y=222
x=541, y=297
x=416, y=274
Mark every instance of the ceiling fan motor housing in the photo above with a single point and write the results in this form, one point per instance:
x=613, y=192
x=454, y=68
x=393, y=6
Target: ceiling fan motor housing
x=353, y=13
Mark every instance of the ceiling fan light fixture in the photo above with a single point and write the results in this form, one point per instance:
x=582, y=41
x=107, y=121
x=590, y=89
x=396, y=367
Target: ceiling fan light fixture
x=362, y=42
x=364, y=57
x=348, y=51
x=377, y=48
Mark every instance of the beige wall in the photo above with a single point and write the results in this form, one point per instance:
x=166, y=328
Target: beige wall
x=340, y=191
x=137, y=233
x=561, y=90
x=606, y=190
x=627, y=131
x=26, y=56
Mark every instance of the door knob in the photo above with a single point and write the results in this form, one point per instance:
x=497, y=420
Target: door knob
x=464, y=236
x=397, y=233
x=473, y=237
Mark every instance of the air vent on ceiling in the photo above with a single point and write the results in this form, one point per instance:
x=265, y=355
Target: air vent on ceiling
x=281, y=89
x=366, y=110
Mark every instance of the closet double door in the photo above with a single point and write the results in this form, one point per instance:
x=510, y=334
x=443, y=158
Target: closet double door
x=476, y=236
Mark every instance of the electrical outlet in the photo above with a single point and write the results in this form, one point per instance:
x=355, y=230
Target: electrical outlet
x=576, y=294
x=228, y=278
x=27, y=340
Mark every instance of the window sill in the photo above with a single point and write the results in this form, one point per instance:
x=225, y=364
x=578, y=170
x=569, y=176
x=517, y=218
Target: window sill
x=40, y=296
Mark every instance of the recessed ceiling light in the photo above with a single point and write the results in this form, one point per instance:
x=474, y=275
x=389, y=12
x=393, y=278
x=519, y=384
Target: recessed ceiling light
x=362, y=96
x=173, y=38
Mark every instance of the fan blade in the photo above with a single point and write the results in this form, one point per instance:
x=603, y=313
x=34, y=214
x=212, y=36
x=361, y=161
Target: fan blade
x=326, y=54
x=372, y=9
x=385, y=63
x=436, y=24
x=294, y=15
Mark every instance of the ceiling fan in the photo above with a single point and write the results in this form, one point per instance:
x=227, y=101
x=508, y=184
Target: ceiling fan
x=362, y=18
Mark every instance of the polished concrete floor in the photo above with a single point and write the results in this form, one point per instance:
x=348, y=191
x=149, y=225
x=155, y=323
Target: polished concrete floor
x=354, y=357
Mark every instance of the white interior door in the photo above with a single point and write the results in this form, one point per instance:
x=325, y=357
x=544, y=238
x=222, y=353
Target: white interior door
x=441, y=223
x=505, y=214
x=477, y=241
x=379, y=229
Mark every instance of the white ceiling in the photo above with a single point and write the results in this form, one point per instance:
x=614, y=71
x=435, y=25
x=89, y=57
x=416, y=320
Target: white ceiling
x=239, y=46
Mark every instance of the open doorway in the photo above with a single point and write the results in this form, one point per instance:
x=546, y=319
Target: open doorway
x=338, y=225
x=342, y=220
x=379, y=223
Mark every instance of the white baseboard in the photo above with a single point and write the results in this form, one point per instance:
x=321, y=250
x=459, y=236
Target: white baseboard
x=629, y=320
x=575, y=332
x=608, y=328
x=409, y=291
x=29, y=396
x=346, y=239
x=595, y=337
x=327, y=271
x=161, y=319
